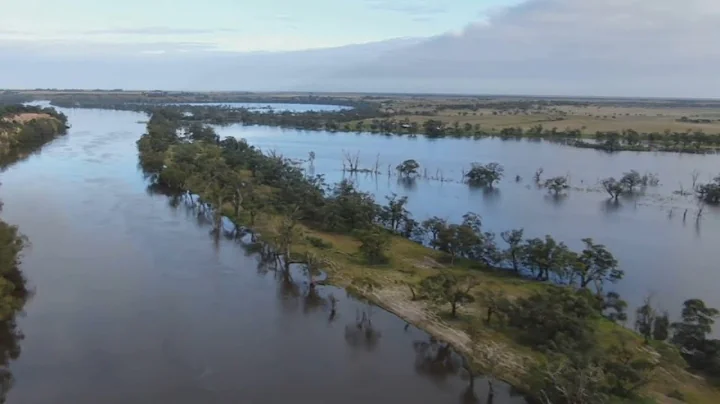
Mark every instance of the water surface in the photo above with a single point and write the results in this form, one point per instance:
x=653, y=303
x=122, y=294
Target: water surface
x=275, y=106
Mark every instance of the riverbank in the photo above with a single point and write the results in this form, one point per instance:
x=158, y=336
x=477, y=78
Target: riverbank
x=25, y=129
x=287, y=211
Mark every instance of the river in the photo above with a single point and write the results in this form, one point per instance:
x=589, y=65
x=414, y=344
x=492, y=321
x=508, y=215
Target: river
x=135, y=303
x=662, y=254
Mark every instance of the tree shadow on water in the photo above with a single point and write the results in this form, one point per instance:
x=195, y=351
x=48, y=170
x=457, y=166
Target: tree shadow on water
x=362, y=333
x=611, y=206
x=407, y=183
x=556, y=200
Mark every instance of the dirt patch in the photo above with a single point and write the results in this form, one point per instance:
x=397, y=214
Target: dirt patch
x=27, y=117
x=511, y=365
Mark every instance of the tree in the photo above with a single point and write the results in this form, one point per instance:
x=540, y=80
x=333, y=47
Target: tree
x=485, y=175
x=710, y=193
x=514, y=252
x=631, y=180
x=596, y=265
x=374, y=245
x=696, y=324
x=408, y=168
x=613, y=307
x=645, y=319
x=457, y=240
x=449, y=288
x=568, y=380
x=557, y=184
x=434, y=226
x=627, y=370
x=661, y=327
x=547, y=256
x=395, y=213
x=613, y=187
x=494, y=303
x=556, y=319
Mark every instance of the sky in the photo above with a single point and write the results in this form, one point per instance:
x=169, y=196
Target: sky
x=237, y=25
x=653, y=48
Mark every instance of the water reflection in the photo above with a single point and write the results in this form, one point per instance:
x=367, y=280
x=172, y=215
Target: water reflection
x=556, y=200
x=407, y=183
x=10, y=337
x=362, y=333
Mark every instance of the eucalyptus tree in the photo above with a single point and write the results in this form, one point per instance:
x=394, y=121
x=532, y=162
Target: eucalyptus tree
x=450, y=287
x=557, y=184
x=514, y=240
x=596, y=265
x=485, y=175
x=613, y=187
x=408, y=168
x=631, y=180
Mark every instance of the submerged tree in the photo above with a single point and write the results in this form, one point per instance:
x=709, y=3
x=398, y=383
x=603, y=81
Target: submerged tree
x=408, y=168
x=557, y=184
x=631, y=180
x=613, y=187
x=710, y=193
x=485, y=175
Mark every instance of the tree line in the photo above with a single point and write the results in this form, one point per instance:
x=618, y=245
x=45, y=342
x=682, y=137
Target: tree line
x=563, y=319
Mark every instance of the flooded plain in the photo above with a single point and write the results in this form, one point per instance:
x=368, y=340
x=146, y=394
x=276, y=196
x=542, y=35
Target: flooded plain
x=662, y=254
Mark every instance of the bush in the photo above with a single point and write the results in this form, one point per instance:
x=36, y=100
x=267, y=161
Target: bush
x=319, y=243
x=375, y=243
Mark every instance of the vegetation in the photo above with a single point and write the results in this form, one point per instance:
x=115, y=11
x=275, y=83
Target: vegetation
x=543, y=301
x=611, y=125
x=710, y=193
x=557, y=184
x=485, y=175
x=408, y=168
x=23, y=129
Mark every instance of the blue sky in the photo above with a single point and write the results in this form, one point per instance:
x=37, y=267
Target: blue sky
x=238, y=25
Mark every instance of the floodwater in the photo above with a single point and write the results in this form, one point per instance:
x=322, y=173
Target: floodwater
x=256, y=106
x=136, y=303
x=662, y=254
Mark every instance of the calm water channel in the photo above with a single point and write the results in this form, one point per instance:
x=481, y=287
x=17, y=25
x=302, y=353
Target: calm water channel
x=135, y=303
x=661, y=254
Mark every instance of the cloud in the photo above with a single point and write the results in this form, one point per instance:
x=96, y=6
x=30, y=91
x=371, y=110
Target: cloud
x=603, y=47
